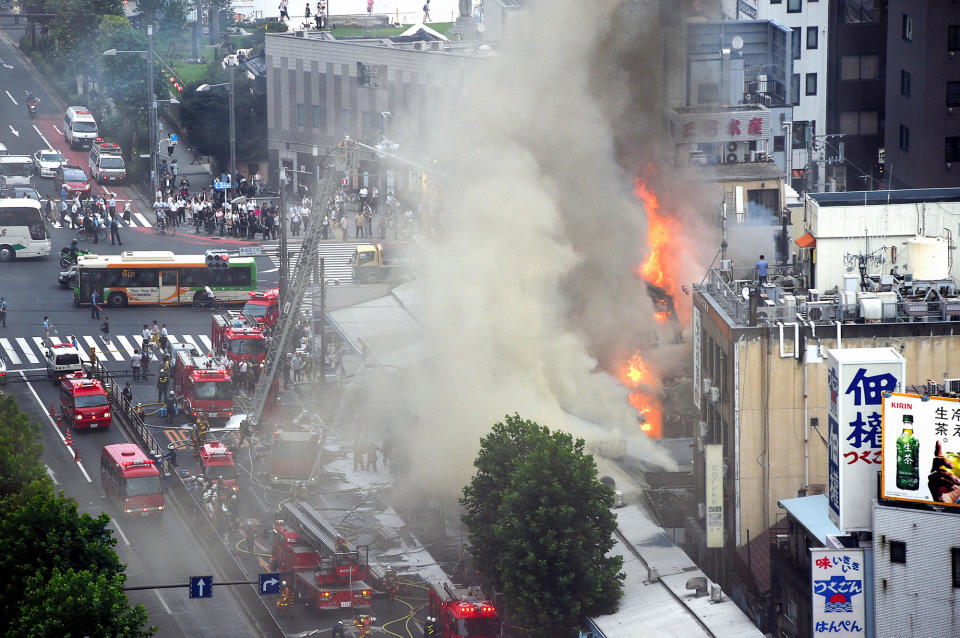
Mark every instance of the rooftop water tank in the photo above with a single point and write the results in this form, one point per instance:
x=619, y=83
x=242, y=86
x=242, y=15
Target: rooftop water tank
x=927, y=258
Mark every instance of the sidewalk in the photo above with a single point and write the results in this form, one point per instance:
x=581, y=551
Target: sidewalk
x=200, y=175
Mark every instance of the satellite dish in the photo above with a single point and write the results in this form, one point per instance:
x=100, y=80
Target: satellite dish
x=737, y=42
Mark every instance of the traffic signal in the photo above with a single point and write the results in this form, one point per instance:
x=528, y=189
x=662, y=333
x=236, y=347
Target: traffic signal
x=217, y=259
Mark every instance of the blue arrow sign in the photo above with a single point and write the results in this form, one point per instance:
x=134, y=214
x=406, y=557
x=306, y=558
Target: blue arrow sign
x=173, y=137
x=269, y=583
x=201, y=587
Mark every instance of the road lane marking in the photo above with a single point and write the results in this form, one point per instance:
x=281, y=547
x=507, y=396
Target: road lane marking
x=41, y=136
x=206, y=341
x=57, y=129
x=10, y=96
x=50, y=474
x=26, y=350
x=143, y=220
x=40, y=345
x=112, y=349
x=188, y=339
x=163, y=602
x=116, y=525
x=126, y=345
x=11, y=353
x=93, y=344
x=13, y=130
x=54, y=425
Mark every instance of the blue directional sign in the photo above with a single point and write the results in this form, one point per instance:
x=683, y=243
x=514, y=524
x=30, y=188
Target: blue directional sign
x=269, y=583
x=201, y=587
x=173, y=137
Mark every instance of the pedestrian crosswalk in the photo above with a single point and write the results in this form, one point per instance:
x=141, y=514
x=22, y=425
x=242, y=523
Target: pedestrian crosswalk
x=137, y=220
x=338, y=258
x=27, y=352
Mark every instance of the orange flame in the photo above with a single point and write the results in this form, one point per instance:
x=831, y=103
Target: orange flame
x=660, y=230
x=638, y=376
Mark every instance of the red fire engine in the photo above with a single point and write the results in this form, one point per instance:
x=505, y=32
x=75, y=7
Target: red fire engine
x=132, y=478
x=203, y=385
x=238, y=337
x=460, y=614
x=263, y=306
x=325, y=571
x=216, y=463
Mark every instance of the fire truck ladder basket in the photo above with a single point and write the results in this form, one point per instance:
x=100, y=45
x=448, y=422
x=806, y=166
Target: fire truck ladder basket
x=311, y=526
x=286, y=324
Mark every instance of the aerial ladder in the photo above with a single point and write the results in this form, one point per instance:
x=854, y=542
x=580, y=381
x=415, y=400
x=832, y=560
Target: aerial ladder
x=286, y=325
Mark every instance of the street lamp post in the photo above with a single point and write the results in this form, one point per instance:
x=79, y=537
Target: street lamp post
x=233, y=124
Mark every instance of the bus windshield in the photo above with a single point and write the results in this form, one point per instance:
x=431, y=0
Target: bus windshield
x=213, y=390
x=29, y=217
x=143, y=486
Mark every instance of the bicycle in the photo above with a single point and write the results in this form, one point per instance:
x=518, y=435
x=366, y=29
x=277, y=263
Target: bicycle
x=83, y=234
x=166, y=229
x=202, y=303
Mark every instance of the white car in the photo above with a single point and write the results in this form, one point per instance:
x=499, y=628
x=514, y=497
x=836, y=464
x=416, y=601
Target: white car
x=46, y=161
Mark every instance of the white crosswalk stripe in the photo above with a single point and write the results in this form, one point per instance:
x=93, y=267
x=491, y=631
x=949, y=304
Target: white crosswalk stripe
x=338, y=258
x=27, y=351
x=11, y=353
x=126, y=345
x=206, y=341
x=190, y=342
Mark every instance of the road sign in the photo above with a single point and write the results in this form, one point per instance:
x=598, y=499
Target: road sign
x=250, y=251
x=173, y=137
x=218, y=185
x=201, y=587
x=269, y=583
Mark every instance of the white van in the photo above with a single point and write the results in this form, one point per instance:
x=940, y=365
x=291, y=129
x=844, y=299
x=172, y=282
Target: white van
x=16, y=170
x=79, y=127
x=106, y=164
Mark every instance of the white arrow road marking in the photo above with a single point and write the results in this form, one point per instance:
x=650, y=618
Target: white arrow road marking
x=41, y=136
x=10, y=96
x=13, y=130
x=57, y=129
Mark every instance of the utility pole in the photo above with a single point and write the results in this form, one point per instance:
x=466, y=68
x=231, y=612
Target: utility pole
x=323, y=322
x=233, y=136
x=152, y=114
x=284, y=258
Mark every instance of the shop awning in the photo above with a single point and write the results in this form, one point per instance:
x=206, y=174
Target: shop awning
x=807, y=241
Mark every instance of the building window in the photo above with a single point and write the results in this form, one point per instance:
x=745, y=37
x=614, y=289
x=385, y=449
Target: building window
x=299, y=114
x=955, y=555
x=904, y=83
x=906, y=29
x=811, y=83
x=904, y=145
x=859, y=67
x=859, y=11
x=795, y=89
x=898, y=551
x=794, y=6
x=813, y=35
x=952, y=149
x=776, y=1
x=953, y=37
x=316, y=117
x=778, y=141
x=797, y=42
x=953, y=93
x=859, y=122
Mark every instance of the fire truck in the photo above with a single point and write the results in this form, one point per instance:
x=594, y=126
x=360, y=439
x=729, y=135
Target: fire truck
x=263, y=306
x=203, y=385
x=324, y=570
x=456, y=613
x=239, y=338
x=216, y=464
x=295, y=457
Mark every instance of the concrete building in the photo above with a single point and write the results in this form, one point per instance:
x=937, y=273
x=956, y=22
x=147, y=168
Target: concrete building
x=760, y=371
x=321, y=89
x=922, y=138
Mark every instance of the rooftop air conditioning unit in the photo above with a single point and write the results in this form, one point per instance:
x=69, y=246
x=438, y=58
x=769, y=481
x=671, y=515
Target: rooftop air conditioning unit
x=436, y=46
x=951, y=386
x=714, y=394
x=418, y=46
x=704, y=428
x=821, y=311
x=707, y=383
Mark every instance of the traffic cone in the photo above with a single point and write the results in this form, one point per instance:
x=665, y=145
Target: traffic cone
x=51, y=411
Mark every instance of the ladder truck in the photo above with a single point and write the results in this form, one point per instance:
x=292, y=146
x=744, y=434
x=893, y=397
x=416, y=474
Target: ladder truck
x=459, y=613
x=322, y=568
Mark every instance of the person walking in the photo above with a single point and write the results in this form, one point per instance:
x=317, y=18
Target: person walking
x=144, y=363
x=283, y=10
x=359, y=225
x=370, y=7
x=127, y=393
x=112, y=204
x=105, y=329
x=94, y=308
x=762, y=270
x=371, y=457
x=426, y=12
x=115, y=230
x=3, y=312
x=171, y=405
x=126, y=213
x=135, y=364
x=296, y=362
x=46, y=329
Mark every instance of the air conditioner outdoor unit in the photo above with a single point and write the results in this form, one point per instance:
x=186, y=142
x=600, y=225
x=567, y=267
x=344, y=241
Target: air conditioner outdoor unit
x=701, y=510
x=436, y=46
x=821, y=311
x=716, y=594
x=714, y=394
x=706, y=385
x=704, y=428
x=951, y=386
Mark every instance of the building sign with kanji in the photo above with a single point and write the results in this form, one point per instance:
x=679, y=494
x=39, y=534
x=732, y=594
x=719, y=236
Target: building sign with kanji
x=856, y=381
x=921, y=449
x=838, y=601
x=728, y=126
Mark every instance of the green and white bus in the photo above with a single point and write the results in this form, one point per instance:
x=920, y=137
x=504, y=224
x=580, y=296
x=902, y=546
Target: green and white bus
x=161, y=277
x=22, y=231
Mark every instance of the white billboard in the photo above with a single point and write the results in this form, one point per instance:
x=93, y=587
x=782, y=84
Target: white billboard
x=838, y=600
x=856, y=380
x=713, y=458
x=921, y=449
x=697, y=356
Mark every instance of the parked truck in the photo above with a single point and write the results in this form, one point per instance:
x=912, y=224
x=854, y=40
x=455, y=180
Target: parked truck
x=322, y=568
x=384, y=262
x=457, y=613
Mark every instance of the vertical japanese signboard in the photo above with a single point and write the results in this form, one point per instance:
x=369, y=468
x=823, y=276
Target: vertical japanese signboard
x=697, y=357
x=838, y=604
x=921, y=449
x=856, y=381
x=713, y=458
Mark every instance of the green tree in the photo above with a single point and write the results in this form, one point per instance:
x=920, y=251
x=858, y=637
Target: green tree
x=74, y=32
x=20, y=450
x=541, y=526
x=121, y=103
x=78, y=603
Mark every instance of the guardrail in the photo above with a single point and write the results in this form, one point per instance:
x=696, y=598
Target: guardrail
x=225, y=566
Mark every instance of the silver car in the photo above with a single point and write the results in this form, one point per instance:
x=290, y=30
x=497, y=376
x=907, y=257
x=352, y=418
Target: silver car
x=46, y=161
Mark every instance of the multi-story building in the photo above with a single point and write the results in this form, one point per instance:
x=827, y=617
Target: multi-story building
x=760, y=370
x=922, y=138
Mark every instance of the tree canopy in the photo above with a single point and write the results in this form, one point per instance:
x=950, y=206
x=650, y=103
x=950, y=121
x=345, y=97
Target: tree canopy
x=540, y=526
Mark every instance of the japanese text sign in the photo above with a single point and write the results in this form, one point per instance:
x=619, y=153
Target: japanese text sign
x=856, y=381
x=727, y=126
x=713, y=456
x=838, y=600
x=921, y=449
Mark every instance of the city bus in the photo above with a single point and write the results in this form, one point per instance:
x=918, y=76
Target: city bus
x=161, y=277
x=132, y=479
x=22, y=231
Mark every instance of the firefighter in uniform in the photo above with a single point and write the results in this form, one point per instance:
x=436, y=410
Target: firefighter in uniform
x=391, y=585
x=337, y=631
x=363, y=623
x=285, y=602
x=163, y=378
x=196, y=438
